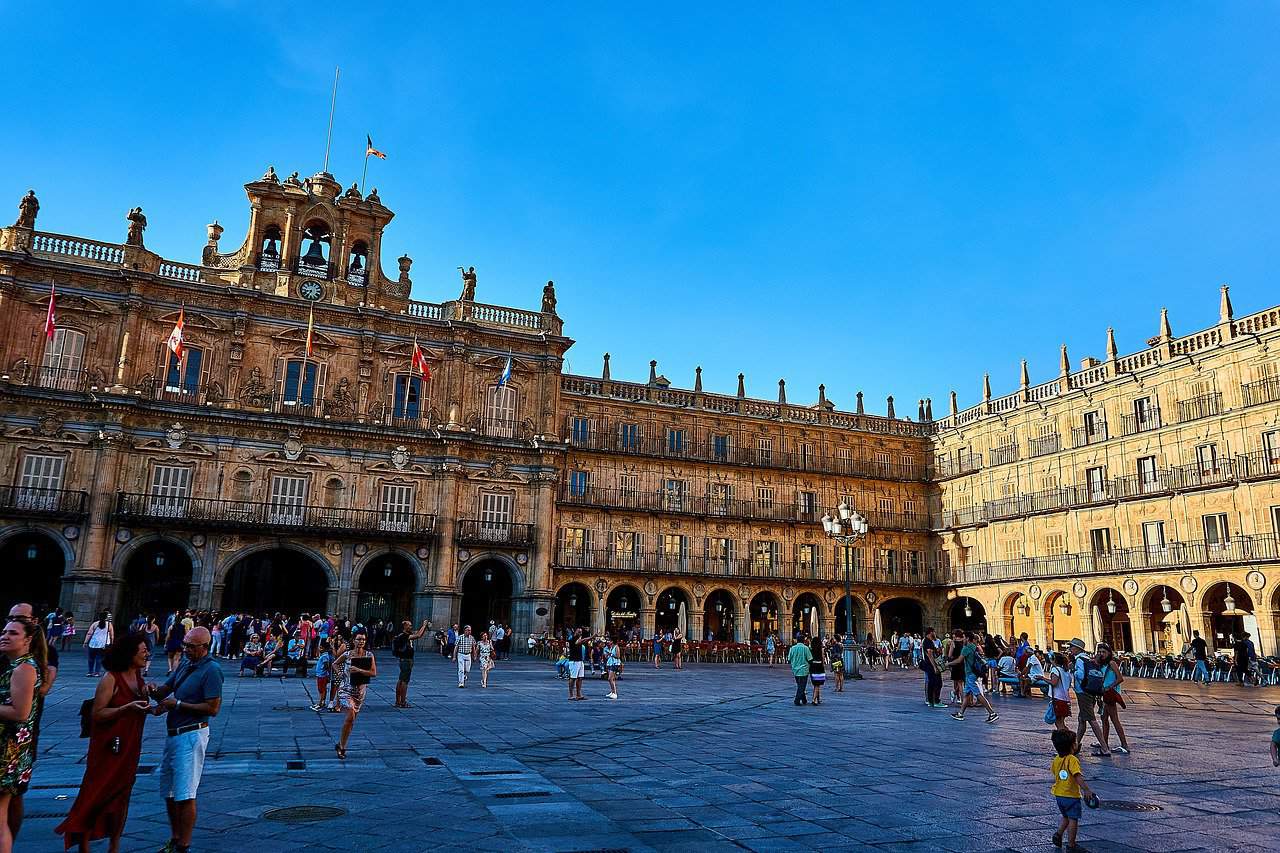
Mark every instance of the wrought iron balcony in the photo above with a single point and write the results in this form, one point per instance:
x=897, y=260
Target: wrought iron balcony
x=1137, y=422
x=65, y=504
x=684, y=504
x=1204, y=406
x=1263, y=463
x=1003, y=455
x=1044, y=445
x=658, y=563
x=50, y=378
x=473, y=531
x=306, y=519
x=1262, y=391
x=1084, y=436
x=957, y=465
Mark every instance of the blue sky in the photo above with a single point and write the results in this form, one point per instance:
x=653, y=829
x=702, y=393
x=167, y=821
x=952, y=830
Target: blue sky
x=889, y=198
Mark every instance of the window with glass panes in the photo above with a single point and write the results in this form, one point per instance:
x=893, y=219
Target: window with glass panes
x=1153, y=535
x=577, y=541
x=183, y=374
x=1148, y=479
x=764, y=556
x=1095, y=481
x=395, y=507
x=764, y=497
x=170, y=489
x=628, y=436
x=720, y=551
x=720, y=446
x=580, y=430
x=807, y=556
x=500, y=411
x=719, y=498
x=1100, y=540
x=1207, y=459
x=626, y=549
x=1215, y=529
x=807, y=504
x=41, y=479
x=628, y=485
x=288, y=495
x=764, y=450
x=673, y=495
x=675, y=440
x=578, y=483
x=407, y=399
x=675, y=549
x=293, y=393
x=65, y=352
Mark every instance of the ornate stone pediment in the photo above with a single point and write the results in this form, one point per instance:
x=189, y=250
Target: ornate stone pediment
x=498, y=469
x=190, y=320
x=67, y=302
x=298, y=335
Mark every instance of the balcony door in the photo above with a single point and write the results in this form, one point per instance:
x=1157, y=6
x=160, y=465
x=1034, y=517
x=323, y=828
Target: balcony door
x=395, y=507
x=182, y=376
x=170, y=489
x=495, y=516
x=288, y=496
x=63, y=359
x=41, y=479
x=500, y=412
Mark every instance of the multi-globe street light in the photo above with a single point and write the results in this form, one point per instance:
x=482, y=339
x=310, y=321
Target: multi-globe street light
x=846, y=527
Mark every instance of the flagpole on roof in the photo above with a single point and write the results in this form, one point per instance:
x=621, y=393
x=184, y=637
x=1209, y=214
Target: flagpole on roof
x=333, y=101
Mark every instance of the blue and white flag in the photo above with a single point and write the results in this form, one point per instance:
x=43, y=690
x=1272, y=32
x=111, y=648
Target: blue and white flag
x=506, y=373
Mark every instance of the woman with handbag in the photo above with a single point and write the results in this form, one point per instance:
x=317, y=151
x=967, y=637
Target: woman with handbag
x=354, y=668
x=1112, y=702
x=99, y=635
x=120, y=709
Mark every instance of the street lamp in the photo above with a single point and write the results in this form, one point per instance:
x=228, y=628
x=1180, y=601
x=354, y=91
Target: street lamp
x=845, y=528
x=1165, y=604
x=1111, y=603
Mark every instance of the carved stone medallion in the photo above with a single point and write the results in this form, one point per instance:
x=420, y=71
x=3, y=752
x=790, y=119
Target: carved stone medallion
x=1255, y=580
x=400, y=457
x=1189, y=584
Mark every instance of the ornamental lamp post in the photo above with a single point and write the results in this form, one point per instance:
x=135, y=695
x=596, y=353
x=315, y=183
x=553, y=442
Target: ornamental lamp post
x=846, y=527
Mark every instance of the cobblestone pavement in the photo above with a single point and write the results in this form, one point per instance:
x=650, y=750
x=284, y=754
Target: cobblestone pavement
x=710, y=758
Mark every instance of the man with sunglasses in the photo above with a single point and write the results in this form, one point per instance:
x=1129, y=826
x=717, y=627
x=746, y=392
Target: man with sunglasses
x=191, y=696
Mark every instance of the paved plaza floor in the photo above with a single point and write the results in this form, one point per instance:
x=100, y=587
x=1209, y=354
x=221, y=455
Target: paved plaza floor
x=712, y=758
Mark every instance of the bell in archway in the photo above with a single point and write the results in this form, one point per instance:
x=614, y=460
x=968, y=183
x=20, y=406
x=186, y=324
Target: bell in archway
x=356, y=263
x=271, y=251
x=314, y=257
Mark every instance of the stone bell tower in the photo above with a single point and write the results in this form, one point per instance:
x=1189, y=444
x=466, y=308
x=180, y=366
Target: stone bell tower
x=309, y=230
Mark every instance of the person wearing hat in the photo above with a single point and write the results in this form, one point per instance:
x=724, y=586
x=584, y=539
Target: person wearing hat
x=1087, y=674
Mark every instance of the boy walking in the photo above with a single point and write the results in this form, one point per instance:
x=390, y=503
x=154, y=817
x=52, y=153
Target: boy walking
x=1068, y=782
x=974, y=668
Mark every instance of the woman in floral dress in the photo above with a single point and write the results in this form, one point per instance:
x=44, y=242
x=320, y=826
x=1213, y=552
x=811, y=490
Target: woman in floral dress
x=484, y=649
x=22, y=642
x=352, y=683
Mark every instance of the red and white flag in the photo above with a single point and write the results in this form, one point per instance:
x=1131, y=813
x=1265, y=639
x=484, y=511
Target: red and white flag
x=370, y=151
x=51, y=317
x=175, y=337
x=420, y=361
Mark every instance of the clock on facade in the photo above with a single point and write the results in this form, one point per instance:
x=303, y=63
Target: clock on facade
x=311, y=290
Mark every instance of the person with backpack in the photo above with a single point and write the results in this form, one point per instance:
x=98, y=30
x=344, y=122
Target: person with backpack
x=932, y=672
x=402, y=650
x=975, y=669
x=1090, y=680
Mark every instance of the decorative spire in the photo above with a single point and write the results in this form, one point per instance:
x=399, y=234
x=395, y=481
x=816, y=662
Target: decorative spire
x=605, y=373
x=1064, y=363
x=891, y=414
x=782, y=392
x=986, y=387
x=1112, y=352
x=1224, y=306
x=822, y=395
x=955, y=409
x=697, y=380
x=1026, y=377
x=1166, y=333
x=859, y=402
x=653, y=371
x=920, y=410
x=742, y=388
x=928, y=408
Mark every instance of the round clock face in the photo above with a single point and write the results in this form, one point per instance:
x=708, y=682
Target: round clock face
x=311, y=290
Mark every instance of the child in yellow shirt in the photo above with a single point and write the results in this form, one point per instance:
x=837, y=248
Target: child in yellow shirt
x=1068, y=782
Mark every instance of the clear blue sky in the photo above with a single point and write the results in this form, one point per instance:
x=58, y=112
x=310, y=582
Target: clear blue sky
x=891, y=199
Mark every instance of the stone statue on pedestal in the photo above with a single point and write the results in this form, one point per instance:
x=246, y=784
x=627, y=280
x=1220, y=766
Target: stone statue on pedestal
x=137, y=224
x=27, y=210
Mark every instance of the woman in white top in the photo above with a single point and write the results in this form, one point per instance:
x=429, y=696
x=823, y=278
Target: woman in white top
x=1060, y=690
x=97, y=637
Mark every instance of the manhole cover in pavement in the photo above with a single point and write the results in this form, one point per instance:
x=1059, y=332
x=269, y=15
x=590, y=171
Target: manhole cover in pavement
x=432, y=761
x=304, y=814
x=513, y=795
x=496, y=772
x=295, y=765
x=290, y=708
x=1128, y=806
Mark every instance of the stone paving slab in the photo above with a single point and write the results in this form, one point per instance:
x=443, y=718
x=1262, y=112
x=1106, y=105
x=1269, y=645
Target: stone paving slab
x=711, y=758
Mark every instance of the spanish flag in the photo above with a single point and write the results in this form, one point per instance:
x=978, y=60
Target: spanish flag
x=370, y=151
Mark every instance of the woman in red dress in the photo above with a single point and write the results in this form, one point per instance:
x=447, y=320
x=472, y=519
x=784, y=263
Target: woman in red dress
x=120, y=708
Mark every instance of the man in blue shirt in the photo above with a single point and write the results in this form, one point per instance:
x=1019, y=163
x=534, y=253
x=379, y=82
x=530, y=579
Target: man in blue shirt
x=191, y=696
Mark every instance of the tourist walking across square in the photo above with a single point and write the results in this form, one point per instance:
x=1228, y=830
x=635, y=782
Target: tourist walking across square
x=799, y=657
x=462, y=651
x=975, y=667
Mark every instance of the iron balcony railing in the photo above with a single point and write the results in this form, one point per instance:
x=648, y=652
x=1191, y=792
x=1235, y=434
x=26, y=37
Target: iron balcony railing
x=220, y=514
x=685, y=504
x=1204, y=406
x=1169, y=555
x=51, y=378
x=954, y=466
x=1263, y=391
x=22, y=502
x=1044, y=445
x=1143, y=421
x=728, y=451
x=474, y=531
x=1263, y=463
x=1003, y=455
x=927, y=573
x=1083, y=436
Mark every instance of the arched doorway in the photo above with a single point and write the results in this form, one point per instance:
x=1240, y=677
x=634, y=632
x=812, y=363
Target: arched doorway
x=719, y=619
x=573, y=608
x=385, y=591
x=967, y=614
x=156, y=582
x=622, y=610
x=1166, y=620
x=1061, y=621
x=898, y=615
x=672, y=611
x=280, y=580
x=859, y=618
x=1109, y=610
x=33, y=565
x=486, y=596
x=806, y=615
x=1019, y=618
x=1230, y=614
x=764, y=616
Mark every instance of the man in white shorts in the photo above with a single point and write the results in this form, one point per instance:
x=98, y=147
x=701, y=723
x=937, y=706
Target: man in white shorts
x=577, y=667
x=191, y=696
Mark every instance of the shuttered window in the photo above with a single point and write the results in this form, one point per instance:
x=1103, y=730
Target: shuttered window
x=41, y=477
x=395, y=507
x=170, y=488
x=288, y=495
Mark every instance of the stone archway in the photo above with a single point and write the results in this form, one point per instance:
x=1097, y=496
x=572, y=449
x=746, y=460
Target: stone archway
x=488, y=585
x=968, y=614
x=573, y=607
x=155, y=579
x=719, y=617
x=385, y=588
x=672, y=610
x=1109, y=610
x=1061, y=620
x=1018, y=618
x=764, y=611
x=1229, y=612
x=33, y=562
x=859, y=618
x=266, y=580
x=1162, y=619
x=806, y=615
x=622, y=610
x=898, y=615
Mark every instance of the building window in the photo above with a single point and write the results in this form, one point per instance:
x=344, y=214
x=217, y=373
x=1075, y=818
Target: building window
x=407, y=402
x=1011, y=549
x=495, y=516
x=500, y=412
x=1271, y=447
x=807, y=504
x=183, y=374
x=764, y=557
x=580, y=430
x=720, y=447
x=41, y=478
x=673, y=492
x=675, y=440
x=1148, y=479
x=1055, y=545
x=1207, y=459
x=1094, y=425
x=807, y=557
x=851, y=557
x=914, y=560
x=170, y=488
x=882, y=461
x=720, y=498
x=844, y=460
x=63, y=360
x=675, y=550
x=764, y=497
x=1096, y=483
x=1215, y=530
x=293, y=394
x=628, y=485
x=804, y=453
x=628, y=436
x=577, y=483
x=885, y=505
x=627, y=548
x=1100, y=540
x=889, y=559
x=1143, y=413
x=1275, y=521
x=577, y=540
x=1153, y=536
x=395, y=507
x=288, y=496
x=764, y=451
x=720, y=551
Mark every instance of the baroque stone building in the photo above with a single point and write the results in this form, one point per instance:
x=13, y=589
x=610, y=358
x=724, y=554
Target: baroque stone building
x=295, y=456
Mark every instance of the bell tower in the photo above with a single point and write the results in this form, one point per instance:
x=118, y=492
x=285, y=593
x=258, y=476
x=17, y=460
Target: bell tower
x=309, y=230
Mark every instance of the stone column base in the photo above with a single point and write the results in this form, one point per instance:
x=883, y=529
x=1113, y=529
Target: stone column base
x=85, y=595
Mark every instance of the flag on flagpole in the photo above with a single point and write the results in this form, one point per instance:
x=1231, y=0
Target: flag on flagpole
x=51, y=317
x=420, y=361
x=506, y=373
x=311, y=316
x=370, y=151
x=175, y=337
